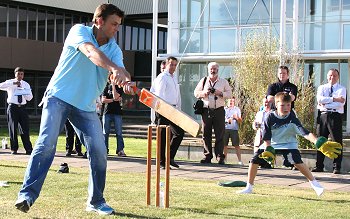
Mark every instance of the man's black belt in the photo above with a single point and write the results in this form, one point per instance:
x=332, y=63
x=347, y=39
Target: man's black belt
x=214, y=108
x=329, y=112
x=18, y=105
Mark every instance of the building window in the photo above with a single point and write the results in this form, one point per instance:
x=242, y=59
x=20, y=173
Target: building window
x=148, y=39
x=67, y=24
x=22, y=23
x=194, y=41
x=127, y=38
x=76, y=20
x=255, y=12
x=3, y=20
x=227, y=40
x=191, y=11
x=161, y=40
x=224, y=12
x=12, y=22
x=59, y=28
x=50, y=25
x=346, y=36
x=134, y=42
x=120, y=38
x=32, y=24
x=42, y=25
x=332, y=41
x=142, y=39
x=85, y=20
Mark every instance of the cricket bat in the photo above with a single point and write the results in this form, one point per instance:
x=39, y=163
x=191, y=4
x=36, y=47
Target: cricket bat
x=167, y=110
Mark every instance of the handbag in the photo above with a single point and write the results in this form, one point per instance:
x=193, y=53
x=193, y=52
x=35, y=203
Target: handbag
x=198, y=106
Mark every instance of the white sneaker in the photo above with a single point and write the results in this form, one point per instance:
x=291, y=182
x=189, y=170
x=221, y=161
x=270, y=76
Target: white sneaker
x=102, y=209
x=317, y=187
x=246, y=190
x=240, y=163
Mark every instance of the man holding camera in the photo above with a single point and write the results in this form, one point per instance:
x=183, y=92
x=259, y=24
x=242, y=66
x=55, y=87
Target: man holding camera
x=213, y=92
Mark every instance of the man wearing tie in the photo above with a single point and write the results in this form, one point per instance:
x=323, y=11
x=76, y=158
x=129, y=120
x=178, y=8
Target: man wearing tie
x=16, y=113
x=330, y=103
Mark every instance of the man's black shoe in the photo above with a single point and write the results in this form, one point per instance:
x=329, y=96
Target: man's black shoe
x=22, y=205
x=316, y=169
x=221, y=161
x=162, y=165
x=69, y=154
x=336, y=171
x=63, y=168
x=28, y=152
x=13, y=152
x=80, y=154
x=172, y=163
x=205, y=160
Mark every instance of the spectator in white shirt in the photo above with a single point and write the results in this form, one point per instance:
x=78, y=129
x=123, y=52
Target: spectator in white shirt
x=331, y=100
x=166, y=86
x=233, y=119
x=18, y=94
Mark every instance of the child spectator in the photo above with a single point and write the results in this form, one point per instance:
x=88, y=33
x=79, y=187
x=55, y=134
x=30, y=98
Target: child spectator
x=232, y=121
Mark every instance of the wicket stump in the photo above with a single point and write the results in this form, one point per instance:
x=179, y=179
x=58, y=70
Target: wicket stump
x=149, y=163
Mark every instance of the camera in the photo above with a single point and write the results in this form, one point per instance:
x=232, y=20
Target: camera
x=212, y=90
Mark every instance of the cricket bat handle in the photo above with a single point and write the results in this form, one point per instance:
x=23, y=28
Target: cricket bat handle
x=135, y=89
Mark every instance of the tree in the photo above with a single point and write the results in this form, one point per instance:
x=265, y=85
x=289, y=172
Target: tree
x=255, y=69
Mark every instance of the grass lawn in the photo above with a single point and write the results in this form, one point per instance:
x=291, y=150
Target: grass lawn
x=64, y=196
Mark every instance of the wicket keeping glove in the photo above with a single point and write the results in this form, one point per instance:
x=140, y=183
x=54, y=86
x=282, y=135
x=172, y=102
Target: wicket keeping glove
x=330, y=149
x=269, y=155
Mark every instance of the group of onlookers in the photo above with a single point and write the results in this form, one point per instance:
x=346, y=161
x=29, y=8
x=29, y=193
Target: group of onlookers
x=90, y=54
x=225, y=120
x=223, y=116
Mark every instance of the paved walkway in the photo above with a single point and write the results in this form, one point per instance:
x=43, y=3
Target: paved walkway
x=214, y=172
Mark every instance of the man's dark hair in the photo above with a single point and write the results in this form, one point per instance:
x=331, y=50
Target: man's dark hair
x=105, y=10
x=18, y=69
x=170, y=58
x=284, y=67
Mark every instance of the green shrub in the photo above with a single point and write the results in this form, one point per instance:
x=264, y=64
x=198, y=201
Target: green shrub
x=255, y=69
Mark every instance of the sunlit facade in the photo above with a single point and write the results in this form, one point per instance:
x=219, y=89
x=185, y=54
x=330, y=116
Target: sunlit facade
x=32, y=33
x=201, y=31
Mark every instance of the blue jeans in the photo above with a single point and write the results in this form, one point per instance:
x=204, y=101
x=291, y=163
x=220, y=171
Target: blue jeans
x=118, y=123
x=88, y=127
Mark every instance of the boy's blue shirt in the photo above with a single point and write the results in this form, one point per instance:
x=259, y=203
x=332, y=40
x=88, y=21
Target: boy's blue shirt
x=77, y=80
x=283, y=131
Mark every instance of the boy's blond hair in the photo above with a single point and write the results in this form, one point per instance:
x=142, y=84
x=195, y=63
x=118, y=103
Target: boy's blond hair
x=283, y=97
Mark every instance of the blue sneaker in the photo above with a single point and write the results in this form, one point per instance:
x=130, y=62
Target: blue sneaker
x=102, y=209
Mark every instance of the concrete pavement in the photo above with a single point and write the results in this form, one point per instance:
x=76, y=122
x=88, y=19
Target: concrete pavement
x=213, y=172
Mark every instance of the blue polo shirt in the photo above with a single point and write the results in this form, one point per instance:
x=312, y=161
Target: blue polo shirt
x=77, y=80
x=283, y=131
